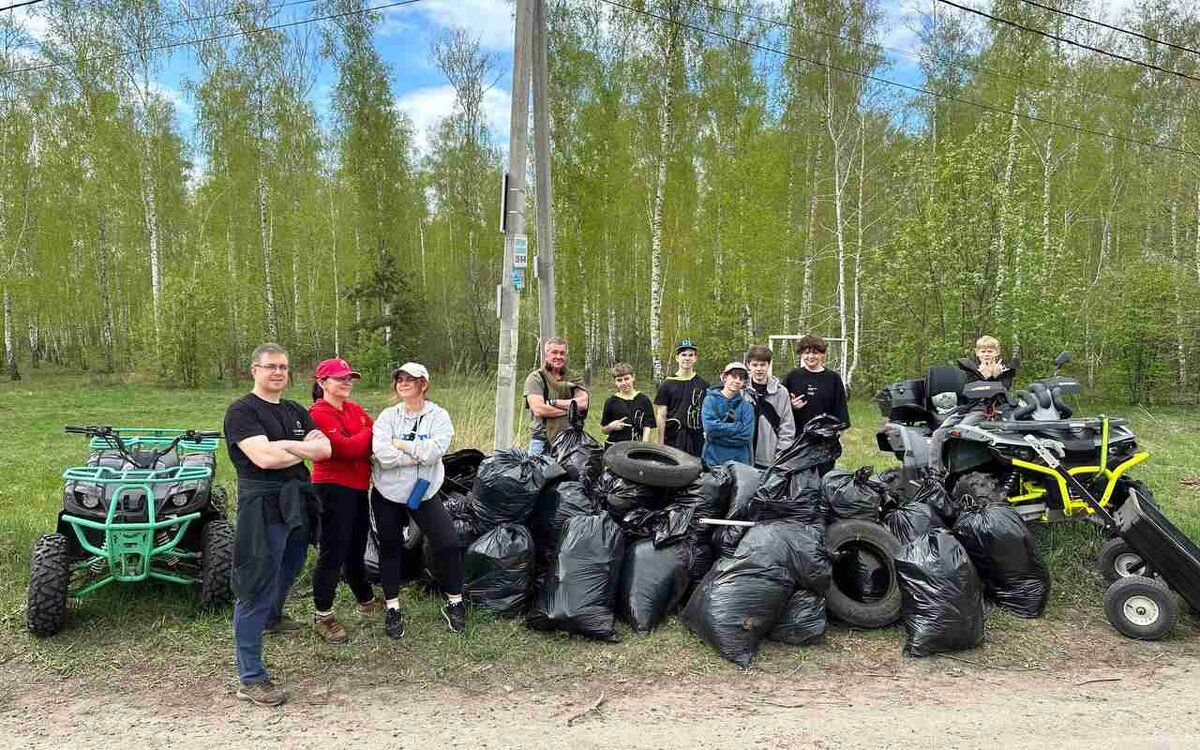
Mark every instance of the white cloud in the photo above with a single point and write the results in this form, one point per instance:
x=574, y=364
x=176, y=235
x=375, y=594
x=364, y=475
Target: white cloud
x=35, y=24
x=182, y=106
x=488, y=20
x=428, y=106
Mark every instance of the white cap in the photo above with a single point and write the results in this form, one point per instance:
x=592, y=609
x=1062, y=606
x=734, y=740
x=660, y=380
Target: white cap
x=411, y=368
x=735, y=366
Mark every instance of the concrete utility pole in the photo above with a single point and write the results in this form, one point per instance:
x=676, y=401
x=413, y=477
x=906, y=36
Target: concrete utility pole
x=541, y=157
x=516, y=243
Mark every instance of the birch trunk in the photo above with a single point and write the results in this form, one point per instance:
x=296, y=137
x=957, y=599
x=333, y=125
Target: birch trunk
x=656, y=223
x=1001, y=247
x=1181, y=359
x=106, y=303
x=858, y=254
x=295, y=292
x=265, y=234
x=235, y=305
x=839, y=226
x=10, y=351
x=35, y=343
x=150, y=209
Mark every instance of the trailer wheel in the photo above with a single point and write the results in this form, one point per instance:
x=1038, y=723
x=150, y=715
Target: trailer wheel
x=1140, y=607
x=1117, y=560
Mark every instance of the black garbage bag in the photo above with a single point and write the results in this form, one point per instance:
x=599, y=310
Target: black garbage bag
x=507, y=487
x=817, y=444
x=497, y=568
x=653, y=582
x=741, y=598
x=703, y=556
x=709, y=494
x=743, y=483
x=461, y=467
x=725, y=540
x=853, y=494
x=676, y=523
x=933, y=493
x=462, y=516
x=556, y=503
x=1006, y=557
x=861, y=575
x=623, y=496
x=803, y=620
x=578, y=453
x=911, y=520
x=580, y=590
x=794, y=495
x=941, y=595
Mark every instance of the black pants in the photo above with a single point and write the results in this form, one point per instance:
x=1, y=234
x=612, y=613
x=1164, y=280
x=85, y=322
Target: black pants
x=344, y=526
x=433, y=520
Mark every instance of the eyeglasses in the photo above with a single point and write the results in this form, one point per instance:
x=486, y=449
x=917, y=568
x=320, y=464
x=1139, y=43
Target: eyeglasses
x=273, y=367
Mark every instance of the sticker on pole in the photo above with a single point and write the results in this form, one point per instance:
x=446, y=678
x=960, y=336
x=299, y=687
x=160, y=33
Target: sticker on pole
x=518, y=279
x=521, y=251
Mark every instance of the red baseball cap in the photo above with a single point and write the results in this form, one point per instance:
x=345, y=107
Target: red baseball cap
x=334, y=368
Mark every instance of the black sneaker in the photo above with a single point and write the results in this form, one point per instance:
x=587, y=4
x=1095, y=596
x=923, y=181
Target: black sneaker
x=284, y=626
x=393, y=623
x=456, y=615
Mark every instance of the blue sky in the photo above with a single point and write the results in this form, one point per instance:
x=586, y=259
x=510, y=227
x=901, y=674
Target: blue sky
x=405, y=36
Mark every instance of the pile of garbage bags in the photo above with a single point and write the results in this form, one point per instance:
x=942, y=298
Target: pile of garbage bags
x=743, y=554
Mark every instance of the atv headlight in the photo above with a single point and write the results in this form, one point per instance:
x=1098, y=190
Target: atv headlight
x=91, y=502
x=181, y=499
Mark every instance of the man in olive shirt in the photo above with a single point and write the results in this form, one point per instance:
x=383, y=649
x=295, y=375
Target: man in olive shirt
x=548, y=395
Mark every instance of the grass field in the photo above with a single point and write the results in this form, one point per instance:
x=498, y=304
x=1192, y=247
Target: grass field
x=152, y=632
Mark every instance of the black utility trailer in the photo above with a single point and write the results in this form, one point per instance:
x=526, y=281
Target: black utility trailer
x=1142, y=605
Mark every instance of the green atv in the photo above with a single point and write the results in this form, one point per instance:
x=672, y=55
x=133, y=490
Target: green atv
x=143, y=507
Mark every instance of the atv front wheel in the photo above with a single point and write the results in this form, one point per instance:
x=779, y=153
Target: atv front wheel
x=1117, y=560
x=216, y=564
x=1141, y=607
x=49, y=578
x=978, y=490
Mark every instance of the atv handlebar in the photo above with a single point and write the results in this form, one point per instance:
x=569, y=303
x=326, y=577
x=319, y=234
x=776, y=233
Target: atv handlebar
x=112, y=435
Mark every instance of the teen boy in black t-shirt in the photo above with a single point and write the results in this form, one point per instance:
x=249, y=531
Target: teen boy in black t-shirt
x=678, y=402
x=815, y=390
x=628, y=414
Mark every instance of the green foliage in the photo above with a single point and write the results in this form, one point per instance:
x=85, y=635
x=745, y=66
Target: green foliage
x=796, y=198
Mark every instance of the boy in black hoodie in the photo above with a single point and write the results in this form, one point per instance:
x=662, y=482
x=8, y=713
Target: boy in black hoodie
x=986, y=365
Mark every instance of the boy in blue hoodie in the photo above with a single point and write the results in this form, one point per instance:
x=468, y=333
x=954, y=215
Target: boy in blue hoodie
x=728, y=419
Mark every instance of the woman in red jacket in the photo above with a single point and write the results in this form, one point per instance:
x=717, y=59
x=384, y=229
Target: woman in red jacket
x=342, y=482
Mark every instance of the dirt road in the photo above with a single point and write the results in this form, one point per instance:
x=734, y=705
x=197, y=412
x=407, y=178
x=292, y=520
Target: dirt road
x=929, y=703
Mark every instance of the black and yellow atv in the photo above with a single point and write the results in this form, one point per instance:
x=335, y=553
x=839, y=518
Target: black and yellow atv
x=995, y=461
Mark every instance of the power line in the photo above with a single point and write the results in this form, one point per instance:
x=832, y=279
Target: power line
x=189, y=19
x=909, y=87
x=984, y=70
x=214, y=38
x=14, y=6
x=1109, y=26
x=1072, y=42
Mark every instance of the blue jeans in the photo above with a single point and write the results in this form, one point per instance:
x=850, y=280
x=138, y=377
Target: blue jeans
x=536, y=446
x=250, y=619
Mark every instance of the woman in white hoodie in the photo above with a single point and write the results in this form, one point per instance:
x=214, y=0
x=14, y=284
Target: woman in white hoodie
x=408, y=441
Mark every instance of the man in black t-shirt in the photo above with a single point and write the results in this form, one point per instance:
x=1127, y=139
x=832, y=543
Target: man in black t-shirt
x=628, y=413
x=678, y=401
x=269, y=438
x=815, y=390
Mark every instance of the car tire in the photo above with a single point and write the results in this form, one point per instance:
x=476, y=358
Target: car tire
x=851, y=535
x=652, y=465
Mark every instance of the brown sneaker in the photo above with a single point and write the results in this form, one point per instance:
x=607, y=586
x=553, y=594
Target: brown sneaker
x=330, y=629
x=371, y=607
x=262, y=693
